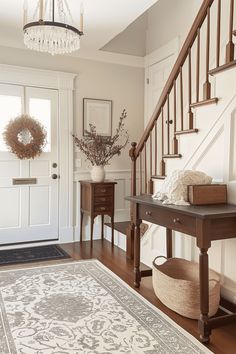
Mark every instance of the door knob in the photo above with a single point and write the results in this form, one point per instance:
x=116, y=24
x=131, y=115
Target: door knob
x=54, y=165
x=54, y=176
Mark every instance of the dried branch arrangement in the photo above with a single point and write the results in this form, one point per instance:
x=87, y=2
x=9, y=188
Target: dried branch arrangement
x=98, y=149
x=25, y=137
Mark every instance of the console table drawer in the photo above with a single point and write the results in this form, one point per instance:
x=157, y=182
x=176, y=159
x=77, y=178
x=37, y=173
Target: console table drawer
x=175, y=221
x=104, y=190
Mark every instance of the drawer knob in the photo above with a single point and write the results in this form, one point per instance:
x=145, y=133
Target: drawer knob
x=148, y=213
x=103, y=199
x=103, y=190
x=176, y=220
x=102, y=208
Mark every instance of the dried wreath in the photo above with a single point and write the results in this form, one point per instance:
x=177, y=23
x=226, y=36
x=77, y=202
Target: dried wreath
x=25, y=137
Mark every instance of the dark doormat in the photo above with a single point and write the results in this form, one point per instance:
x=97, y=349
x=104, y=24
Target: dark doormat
x=32, y=254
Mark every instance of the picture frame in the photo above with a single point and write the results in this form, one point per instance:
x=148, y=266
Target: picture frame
x=97, y=112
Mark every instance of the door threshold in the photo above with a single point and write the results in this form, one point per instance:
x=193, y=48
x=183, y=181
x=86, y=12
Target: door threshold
x=29, y=244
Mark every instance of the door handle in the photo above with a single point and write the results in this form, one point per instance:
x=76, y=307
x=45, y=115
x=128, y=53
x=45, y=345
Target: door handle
x=54, y=176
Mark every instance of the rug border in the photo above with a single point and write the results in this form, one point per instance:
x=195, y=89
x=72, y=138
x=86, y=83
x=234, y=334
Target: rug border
x=133, y=291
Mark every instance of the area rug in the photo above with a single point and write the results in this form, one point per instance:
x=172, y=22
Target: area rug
x=83, y=308
x=32, y=254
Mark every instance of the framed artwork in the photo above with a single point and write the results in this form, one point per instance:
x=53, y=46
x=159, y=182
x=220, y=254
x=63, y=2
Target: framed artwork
x=98, y=113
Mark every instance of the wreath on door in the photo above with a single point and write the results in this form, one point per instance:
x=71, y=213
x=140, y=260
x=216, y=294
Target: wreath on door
x=25, y=137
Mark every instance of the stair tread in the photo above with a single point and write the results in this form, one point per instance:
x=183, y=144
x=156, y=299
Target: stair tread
x=187, y=131
x=172, y=156
x=222, y=67
x=204, y=102
x=119, y=226
x=158, y=177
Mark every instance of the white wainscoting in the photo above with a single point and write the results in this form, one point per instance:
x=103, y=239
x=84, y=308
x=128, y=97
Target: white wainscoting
x=122, y=212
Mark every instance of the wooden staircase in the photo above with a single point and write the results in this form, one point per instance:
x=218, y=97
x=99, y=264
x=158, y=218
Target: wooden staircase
x=173, y=115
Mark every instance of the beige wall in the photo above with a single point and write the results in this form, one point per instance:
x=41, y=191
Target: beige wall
x=119, y=83
x=169, y=19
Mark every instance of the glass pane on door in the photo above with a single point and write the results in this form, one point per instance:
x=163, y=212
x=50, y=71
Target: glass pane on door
x=10, y=108
x=40, y=109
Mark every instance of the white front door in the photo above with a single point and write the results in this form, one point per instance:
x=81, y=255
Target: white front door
x=29, y=212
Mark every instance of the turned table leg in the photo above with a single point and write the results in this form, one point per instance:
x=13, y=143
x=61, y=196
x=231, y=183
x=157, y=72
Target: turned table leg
x=137, y=273
x=204, y=296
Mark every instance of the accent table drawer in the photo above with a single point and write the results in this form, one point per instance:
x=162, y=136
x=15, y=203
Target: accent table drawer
x=103, y=208
x=172, y=220
x=104, y=190
x=103, y=200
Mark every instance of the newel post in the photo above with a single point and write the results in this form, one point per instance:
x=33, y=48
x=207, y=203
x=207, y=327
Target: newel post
x=133, y=168
x=130, y=228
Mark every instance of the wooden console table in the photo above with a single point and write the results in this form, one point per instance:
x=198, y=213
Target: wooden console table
x=206, y=223
x=97, y=199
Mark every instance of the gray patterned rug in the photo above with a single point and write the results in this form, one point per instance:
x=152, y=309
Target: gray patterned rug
x=82, y=308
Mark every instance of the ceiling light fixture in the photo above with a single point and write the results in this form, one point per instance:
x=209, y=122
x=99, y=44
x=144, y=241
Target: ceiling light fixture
x=48, y=35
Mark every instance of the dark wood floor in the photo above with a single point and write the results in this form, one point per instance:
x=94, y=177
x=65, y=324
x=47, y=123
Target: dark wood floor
x=223, y=340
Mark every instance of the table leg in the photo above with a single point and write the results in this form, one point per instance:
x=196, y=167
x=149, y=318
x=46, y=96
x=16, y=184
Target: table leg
x=168, y=243
x=112, y=230
x=204, y=296
x=91, y=229
x=81, y=226
x=102, y=227
x=137, y=273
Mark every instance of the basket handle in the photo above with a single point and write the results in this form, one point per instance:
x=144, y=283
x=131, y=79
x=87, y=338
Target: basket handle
x=154, y=264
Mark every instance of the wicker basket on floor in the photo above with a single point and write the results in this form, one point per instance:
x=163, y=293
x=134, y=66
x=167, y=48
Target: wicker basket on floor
x=176, y=284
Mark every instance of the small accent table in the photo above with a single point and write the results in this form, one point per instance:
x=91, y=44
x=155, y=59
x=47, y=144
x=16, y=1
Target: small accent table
x=97, y=199
x=206, y=223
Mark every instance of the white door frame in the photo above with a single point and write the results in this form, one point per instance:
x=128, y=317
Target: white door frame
x=64, y=83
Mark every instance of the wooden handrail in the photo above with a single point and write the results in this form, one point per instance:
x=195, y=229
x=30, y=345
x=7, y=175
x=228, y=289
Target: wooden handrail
x=175, y=72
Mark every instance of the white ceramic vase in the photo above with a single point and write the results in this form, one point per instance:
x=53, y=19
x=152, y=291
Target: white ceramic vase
x=98, y=173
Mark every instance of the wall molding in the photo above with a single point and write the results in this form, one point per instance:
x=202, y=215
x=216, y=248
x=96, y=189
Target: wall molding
x=18, y=75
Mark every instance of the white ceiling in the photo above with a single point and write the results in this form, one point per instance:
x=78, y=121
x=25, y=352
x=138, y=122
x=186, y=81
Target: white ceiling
x=103, y=20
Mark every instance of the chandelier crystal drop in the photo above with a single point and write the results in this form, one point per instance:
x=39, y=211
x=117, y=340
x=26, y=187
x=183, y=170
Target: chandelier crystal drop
x=48, y=35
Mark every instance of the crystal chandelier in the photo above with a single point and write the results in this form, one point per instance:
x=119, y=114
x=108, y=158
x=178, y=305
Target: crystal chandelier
x=46, y=34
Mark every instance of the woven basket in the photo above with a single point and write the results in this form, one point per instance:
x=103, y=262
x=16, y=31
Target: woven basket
x=176, y=284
